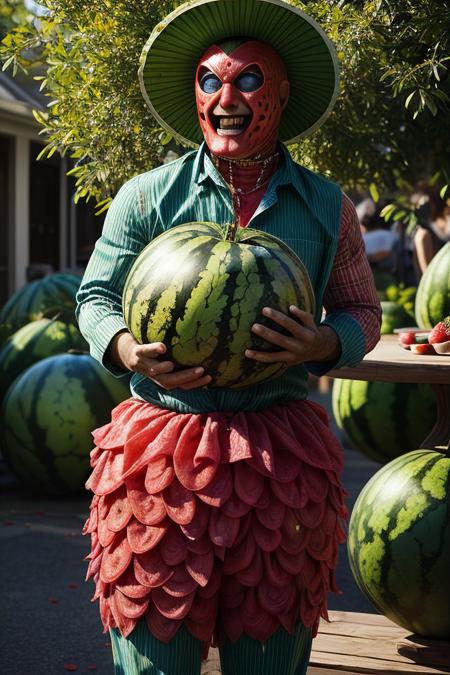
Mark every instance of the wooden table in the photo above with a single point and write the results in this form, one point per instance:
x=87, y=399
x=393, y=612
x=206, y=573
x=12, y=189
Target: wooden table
x=366, y=643
x=389, y=362
x=354, y=643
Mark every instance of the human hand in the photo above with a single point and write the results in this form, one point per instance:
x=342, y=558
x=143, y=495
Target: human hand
x=306, y=341
x=143, y=359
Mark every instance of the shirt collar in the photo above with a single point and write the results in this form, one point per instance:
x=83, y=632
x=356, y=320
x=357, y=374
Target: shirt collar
x=287, y=173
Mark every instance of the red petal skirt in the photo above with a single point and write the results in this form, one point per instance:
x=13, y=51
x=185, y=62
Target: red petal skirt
x=227, y=522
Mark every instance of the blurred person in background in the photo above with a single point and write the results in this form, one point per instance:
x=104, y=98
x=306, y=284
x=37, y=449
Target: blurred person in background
x=433, y=227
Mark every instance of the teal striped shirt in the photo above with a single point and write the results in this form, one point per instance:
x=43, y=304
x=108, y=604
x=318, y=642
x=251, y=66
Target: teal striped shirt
x=300, y=207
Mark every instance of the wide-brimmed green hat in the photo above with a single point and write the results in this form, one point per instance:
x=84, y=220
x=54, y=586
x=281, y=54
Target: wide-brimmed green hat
x=170, y=57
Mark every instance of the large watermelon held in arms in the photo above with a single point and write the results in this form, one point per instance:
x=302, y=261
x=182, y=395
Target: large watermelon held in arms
x=383, y=419
x=47, y=418
x=433, y=294
x=47, y=297
x=33, y=342
x=199, y=290
x=399, y=542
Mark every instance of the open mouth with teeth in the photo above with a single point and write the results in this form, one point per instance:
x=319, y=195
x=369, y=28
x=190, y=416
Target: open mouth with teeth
x=230, y=125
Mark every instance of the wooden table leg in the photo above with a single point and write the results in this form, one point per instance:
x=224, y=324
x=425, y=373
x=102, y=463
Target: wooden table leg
x=439, y=437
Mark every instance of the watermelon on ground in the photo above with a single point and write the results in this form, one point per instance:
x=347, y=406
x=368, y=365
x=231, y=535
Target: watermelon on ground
x=399, y=542
x=47, y=418
x=47, y=297
x=33, y=342
x=433, y=295
x=383, y=419
x=200, y=293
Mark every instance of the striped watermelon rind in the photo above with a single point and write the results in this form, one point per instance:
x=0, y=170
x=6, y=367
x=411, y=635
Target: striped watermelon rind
x=46, y=297
x=47, y=418
x=399, y=542
x=200, y=294
x=383, y=419
x=35, y=341
x=433, y=295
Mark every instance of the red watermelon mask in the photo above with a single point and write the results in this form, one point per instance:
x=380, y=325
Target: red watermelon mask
x=240, y=99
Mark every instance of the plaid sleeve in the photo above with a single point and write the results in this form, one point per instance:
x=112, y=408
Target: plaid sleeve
x=350, y=300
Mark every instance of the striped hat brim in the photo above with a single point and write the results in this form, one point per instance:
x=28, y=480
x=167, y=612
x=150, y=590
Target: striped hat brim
x=169, y=60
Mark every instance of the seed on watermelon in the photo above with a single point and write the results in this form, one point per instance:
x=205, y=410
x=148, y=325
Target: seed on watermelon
x=47, y=418
x=200, y=294
x=399, y=542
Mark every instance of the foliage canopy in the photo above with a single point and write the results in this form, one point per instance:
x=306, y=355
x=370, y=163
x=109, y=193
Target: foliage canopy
x=389, y=126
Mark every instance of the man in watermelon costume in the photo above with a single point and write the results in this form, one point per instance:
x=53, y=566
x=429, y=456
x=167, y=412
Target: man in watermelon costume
x=217, y=513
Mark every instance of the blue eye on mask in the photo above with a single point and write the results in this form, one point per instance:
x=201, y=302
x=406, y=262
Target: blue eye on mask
x=210, y=83
x=248, y=82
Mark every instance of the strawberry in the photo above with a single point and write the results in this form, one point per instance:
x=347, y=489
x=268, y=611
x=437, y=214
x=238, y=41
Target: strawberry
x=441, y=331
x=407, y=339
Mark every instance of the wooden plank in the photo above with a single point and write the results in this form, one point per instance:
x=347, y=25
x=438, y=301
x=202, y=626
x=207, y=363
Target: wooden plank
x=389, y=362
x=370, y=666
x=362, y=630
x=357, y=617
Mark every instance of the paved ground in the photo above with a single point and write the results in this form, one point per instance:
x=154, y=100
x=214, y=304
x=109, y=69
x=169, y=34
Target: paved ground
x=47, y=622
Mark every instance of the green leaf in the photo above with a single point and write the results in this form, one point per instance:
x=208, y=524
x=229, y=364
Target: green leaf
x=374, y=192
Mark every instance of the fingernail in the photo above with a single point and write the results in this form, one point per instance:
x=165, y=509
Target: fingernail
x=197, y=371
x=292, y=308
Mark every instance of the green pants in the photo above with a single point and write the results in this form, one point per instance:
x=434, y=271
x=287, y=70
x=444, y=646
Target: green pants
x=142, y=654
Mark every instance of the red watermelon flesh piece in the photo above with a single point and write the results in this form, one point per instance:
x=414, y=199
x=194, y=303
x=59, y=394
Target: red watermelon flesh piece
x=116, y=558
x=289, y=493
x=267, y=540
x=160, y=474
x=222, y=529
x=132, y=608
x=148, y=509
x=203, y=610
x=162, y=628
x=170, y=606
x=232, y=593
x=119, y=512
x=329, y=520
x=201, y=631
x=105, y=535
x=200, y=566
x=261, y=444
x=276, y=599
x=107, y=474
x=200, y=546
x=315, y=441
x=197, y=527
x=294, y=536
x=234, y=507
x=238, y=439
x=219, y=490
x=105, y=614
x=244, y=527
x=158, y=439
x=94, y=567
x=91, y=523
x=275, y=574
x=308, y=612
x=290, y=563
x=233, y=624
x=173, y=547
x=312, y=514
x=315, y=482
x=287, y=466
x=240, y=557
x=289, y=619
x=151, y=570
x=143, y=538
x=180, y=503
x=273, y=515
x=249, y=484
x=258, y=623
x=252, y=575
x=213, y=584
x=180, y=583
x=197, y=453
x=130, y=586
x=123, y=623
x=319, y=545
